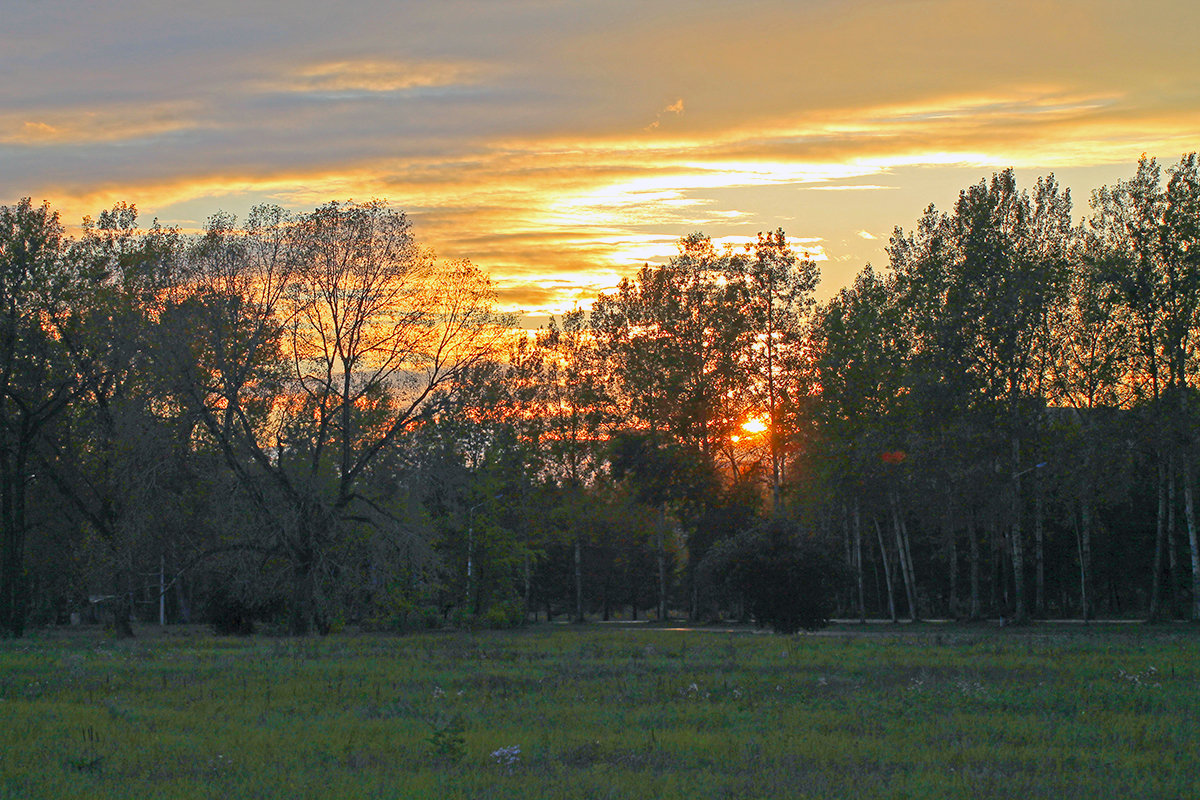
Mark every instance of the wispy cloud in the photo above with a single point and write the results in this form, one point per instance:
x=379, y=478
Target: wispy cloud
x=375, y=76
x=675, y=108
x=91, y=123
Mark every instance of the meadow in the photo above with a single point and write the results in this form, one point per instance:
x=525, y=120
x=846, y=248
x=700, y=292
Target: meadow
x=596, y=711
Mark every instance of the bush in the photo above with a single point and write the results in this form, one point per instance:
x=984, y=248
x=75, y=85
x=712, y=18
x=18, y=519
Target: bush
x=230, y=615
x=506, y=614
x=788, y=578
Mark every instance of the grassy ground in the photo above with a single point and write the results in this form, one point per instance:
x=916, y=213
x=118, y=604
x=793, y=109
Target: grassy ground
x=606, y=712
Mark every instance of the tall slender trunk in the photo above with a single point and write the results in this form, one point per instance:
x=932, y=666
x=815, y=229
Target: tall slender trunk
x=470, y=588
x=694, y=595
x=1172, y=549
x=905, y=562
x=1039, y=601
x=300, y=619
x=1189, y=512
x=578, y=578
x=1161, y=517
x=848, y=545
x=951, y=557
x=773, y=411
x=605, y=593
x=633, y=586
x=662, y=563
x=527, y=589
x=183, y=598
x=12, y=556
x=1016, y=539
x=858, y=564
x=14, y=589
x=1085, y=553
x=912, y=573
x=162, y=591
x=887, y=570
x=122, y=608
x=1001, y=564
x=976, y=611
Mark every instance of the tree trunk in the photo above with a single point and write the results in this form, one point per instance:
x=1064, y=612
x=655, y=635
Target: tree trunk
x=848, y=546
x=181, y=600
x=858, y=564
x=951, y=558
x=162, y=591
x=303, y=617
x=976, y=611
x=578, y=579
x=1039, y=601
x=12, y=556
x=14, y=597
x=1085, y=554
x=908, y=559
x=606, y=588
x=1017, y=542
x=1189, y=511
x=1173, y=566
x=887, y=571
x=910, y=590
x=1160, y=535
x=122, y=607
x=527, y=590
x=662, y=563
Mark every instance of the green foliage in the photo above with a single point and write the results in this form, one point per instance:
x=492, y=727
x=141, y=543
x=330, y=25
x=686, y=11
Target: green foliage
x=506, y=614
x=393, y=610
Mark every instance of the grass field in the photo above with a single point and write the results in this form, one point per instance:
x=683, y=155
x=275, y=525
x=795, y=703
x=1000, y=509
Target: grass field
x=605, y=712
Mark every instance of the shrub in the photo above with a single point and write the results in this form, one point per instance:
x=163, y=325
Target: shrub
x=231, y=615
x=788, y=578
x=507, y=614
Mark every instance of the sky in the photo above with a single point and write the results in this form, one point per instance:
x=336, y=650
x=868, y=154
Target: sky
x=561, y=144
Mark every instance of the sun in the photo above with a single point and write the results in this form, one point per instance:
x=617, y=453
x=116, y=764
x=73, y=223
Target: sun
x=754, y=425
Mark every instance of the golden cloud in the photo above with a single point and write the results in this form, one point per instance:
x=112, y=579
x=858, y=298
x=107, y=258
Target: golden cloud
x=376, y=76
x=587, y=209
x=91, y=124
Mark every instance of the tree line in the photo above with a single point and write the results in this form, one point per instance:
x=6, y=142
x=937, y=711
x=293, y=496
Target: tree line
x=304, y=421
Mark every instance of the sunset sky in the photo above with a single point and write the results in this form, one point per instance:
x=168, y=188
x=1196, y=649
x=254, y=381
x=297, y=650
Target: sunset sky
x=562, y=144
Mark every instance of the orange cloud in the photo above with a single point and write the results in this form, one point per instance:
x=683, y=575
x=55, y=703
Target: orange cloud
x=95, y=124
x=675, y=108
x=376, y=75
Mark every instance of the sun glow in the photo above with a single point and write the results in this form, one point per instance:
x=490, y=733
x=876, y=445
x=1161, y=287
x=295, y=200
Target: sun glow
x=754, y=425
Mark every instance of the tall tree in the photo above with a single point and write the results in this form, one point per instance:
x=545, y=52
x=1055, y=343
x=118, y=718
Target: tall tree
x=857, y=349
x=37, y=292
x=110, y=456
x=1145, y=243
x=779, y=287
x=675, y=337
x=575, y=408
x=1086, y=372
x=675, y=340
x=323, y=336
x=1014, y=252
